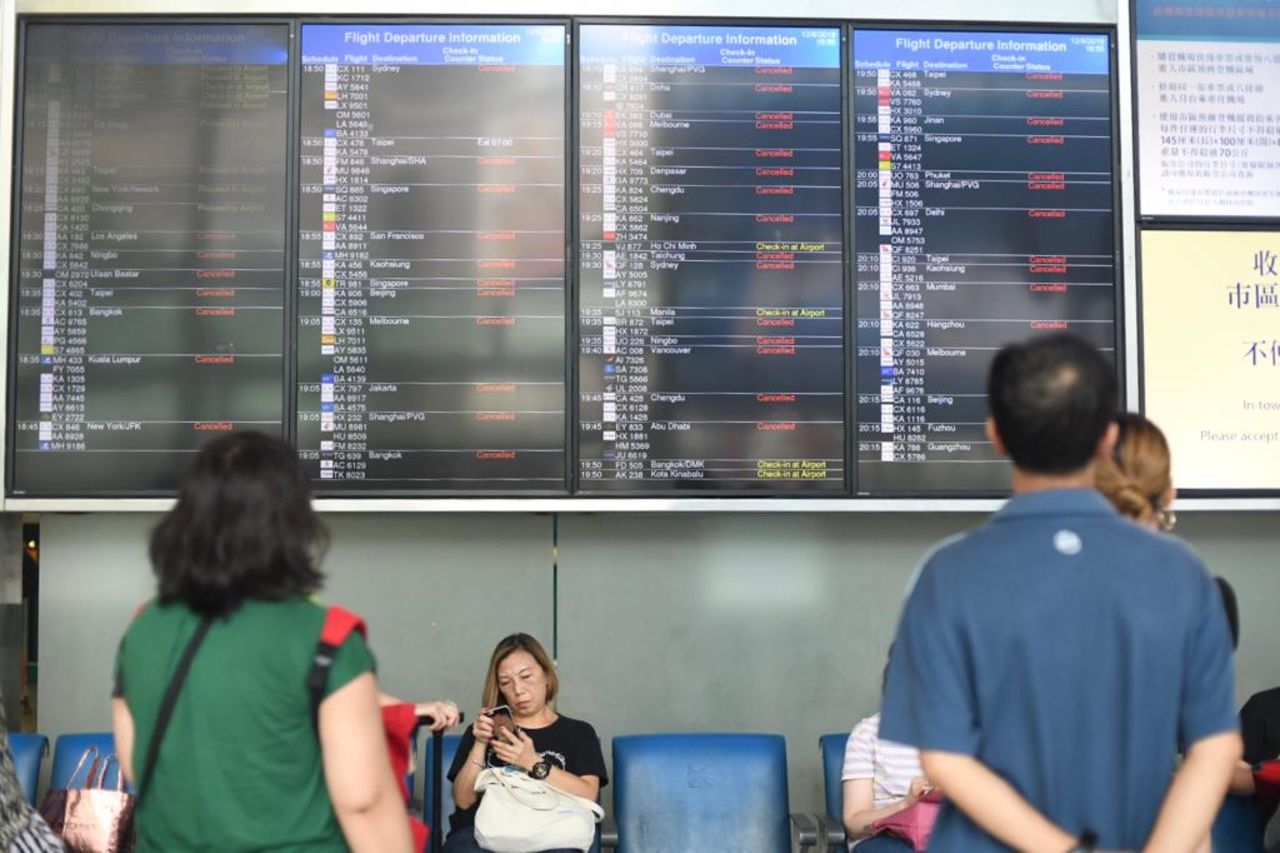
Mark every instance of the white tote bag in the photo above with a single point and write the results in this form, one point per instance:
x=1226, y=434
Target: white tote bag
x=522, y=815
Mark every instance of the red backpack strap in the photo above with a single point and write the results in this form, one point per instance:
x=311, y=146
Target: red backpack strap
x=338, y=625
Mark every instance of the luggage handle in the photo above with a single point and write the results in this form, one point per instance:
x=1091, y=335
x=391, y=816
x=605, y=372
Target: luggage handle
x=437, y=772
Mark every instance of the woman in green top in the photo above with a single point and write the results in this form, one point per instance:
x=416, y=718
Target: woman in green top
x=242, y=765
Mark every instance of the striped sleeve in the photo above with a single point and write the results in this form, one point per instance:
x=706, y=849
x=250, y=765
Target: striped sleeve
x=859, y=752
x=896, y=767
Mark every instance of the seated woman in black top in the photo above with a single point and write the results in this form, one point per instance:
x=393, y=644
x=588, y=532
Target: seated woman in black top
x=535, y=738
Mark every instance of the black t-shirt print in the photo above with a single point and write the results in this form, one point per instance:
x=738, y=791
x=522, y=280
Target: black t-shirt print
x=572, y=745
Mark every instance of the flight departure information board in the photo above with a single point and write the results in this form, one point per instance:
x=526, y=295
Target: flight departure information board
x=431, y=337
x=375, y=264
x=711, y=296
x=984, y=213
x=151, y=250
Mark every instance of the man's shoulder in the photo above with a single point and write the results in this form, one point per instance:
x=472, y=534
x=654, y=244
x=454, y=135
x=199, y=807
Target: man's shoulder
x=956, y=549
x=1109, y=532
x=1125, y=541
x=1002, y=548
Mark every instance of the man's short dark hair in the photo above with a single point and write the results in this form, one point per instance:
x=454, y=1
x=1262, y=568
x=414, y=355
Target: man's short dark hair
x=243, y=528
x=1052, y=398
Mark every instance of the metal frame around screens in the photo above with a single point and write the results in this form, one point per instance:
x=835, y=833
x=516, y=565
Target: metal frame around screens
x=1119, y=254
x=571, y=75
x=1017, y=13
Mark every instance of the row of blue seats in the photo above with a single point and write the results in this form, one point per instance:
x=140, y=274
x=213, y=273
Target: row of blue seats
x=729, y=792
x=29, y=751
x=670, y=792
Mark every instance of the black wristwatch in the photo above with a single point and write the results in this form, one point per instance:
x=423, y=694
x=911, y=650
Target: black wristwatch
x=1086, y=842
x=540, y=770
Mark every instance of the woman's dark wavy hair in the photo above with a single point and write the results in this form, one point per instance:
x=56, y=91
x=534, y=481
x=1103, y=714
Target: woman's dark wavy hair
x=243, y=528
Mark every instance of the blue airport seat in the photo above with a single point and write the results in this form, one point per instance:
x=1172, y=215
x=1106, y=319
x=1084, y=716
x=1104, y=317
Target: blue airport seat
x=28, y=754
x=833, y=746
x=67, y=751
x=831, y=825
x=1237, y=828
x=704, y=792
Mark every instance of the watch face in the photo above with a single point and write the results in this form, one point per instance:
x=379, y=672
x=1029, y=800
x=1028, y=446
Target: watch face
x=540, y=770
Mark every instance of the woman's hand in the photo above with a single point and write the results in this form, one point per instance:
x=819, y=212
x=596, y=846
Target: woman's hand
x=516, y=749
x=443, y=713
x=482, y=729
x=920, y=788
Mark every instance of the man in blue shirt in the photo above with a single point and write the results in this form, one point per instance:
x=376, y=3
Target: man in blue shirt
x=1052, y=662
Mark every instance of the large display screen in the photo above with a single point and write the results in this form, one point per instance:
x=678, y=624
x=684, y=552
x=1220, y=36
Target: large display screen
x=1211, y=354
x=711, y=296
x=1208, y=102
x=431, y=291
x=984, y=213
x=547, y=257
x=151, y=236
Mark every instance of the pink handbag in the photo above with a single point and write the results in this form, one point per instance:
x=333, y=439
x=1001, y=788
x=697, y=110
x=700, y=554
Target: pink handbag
x=95, y=818
x=913, y=824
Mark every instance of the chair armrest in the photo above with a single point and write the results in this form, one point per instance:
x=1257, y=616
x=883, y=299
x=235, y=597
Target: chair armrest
x=831, y=832
x=804, y=831
x=608, y=835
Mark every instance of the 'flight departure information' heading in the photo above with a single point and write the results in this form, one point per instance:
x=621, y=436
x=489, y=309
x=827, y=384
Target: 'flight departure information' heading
x=917, y=44
x=434, y=45
x=899, y=50
x=712, y=46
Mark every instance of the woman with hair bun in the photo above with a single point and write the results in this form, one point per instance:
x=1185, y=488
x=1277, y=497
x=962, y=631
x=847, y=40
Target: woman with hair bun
x=1138, y=482
x=1137, y=479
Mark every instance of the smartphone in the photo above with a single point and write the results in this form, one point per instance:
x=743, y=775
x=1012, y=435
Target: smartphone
x=501, y=717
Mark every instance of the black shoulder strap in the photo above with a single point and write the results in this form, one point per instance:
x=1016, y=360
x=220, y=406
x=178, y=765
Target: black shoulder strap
x=166, y=706
x=317, y=677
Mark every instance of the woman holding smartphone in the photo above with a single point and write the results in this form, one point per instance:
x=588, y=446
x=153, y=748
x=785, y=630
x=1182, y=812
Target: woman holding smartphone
x=519, y=726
